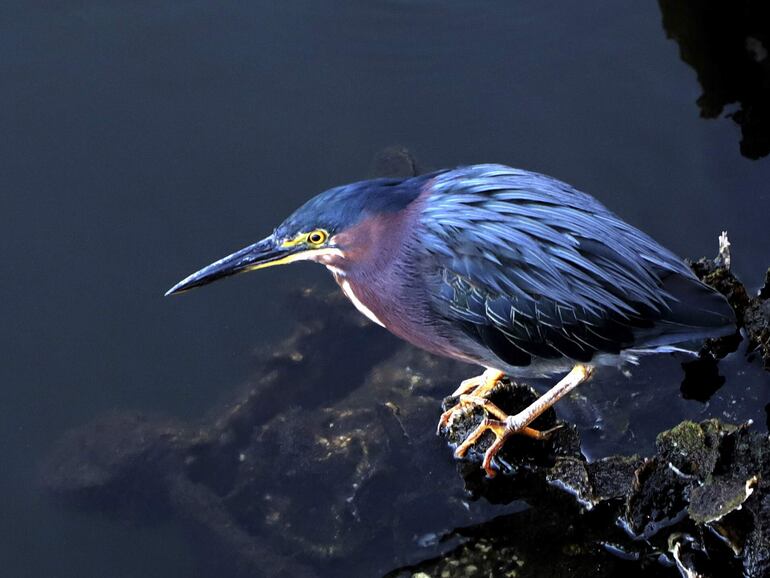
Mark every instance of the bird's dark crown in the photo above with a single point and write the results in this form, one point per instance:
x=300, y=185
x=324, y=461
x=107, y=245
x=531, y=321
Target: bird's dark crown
x=342, y=207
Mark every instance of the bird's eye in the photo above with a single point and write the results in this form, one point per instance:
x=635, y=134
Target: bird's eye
x=317, y=237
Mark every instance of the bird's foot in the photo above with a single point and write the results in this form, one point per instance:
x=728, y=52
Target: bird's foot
x=505, y=425
x=480, y=384
x=474, y=388
x=502, y=429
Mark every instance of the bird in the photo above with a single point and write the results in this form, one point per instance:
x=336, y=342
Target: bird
x=510, y=270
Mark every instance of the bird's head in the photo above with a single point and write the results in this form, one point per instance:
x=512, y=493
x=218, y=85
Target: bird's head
x=316, y=231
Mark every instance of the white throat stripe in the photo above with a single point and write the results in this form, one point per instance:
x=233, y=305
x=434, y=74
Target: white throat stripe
x=348, y=290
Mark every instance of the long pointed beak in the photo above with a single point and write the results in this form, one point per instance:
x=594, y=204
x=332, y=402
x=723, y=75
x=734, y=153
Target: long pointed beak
x=262, y=254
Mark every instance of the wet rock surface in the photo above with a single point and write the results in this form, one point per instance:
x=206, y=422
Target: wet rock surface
x=319, y=470
x=752, y=312
x=702, y=492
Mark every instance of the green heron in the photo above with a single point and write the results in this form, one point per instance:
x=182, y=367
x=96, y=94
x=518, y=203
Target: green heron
x=511, y=270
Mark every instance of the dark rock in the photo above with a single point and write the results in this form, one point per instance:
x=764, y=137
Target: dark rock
x=752, y=313
x=552, y=543
x=657, y=499
x=717, y=498
x=692, y=449
x=756, y=320
x=706, y=479
x=611, y=478
x=594, y=483
x=721, y=278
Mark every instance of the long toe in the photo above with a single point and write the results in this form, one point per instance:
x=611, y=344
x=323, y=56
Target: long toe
x=496, y=427
x=467, y=386
x=501, y=433
x=443, y=421
x=490, y=454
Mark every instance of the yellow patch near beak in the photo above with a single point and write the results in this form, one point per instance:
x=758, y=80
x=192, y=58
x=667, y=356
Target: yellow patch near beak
x=308, y=255
x=298, y=240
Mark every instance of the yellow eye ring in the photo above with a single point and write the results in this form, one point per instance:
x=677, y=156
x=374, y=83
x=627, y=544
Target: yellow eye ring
x=317, y=237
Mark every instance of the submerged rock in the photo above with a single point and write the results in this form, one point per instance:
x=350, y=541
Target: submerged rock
x=312, y=470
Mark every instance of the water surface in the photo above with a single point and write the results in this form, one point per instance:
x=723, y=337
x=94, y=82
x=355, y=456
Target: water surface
x=142, y=140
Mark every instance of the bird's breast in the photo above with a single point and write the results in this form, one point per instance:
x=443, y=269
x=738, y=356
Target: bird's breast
x=350, y=293
x=401, y=314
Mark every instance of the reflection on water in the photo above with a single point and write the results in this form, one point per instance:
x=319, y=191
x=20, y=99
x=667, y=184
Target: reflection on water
x=728, y=45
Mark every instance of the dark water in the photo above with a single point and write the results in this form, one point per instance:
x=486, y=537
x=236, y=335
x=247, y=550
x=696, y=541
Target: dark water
x=141, y=140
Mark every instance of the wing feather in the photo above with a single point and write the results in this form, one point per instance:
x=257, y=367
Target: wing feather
x=535, y=268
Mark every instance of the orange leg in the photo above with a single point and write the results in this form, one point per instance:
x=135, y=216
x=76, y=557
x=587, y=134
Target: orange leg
x=480, y=384
x=506, y=425
x=476, y=388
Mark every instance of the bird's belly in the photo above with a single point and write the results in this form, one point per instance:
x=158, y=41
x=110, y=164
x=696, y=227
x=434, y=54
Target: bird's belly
x=447, y=343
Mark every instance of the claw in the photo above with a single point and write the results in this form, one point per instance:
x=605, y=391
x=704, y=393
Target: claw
x=445, y=418
x=469, y=402
x=469, y=391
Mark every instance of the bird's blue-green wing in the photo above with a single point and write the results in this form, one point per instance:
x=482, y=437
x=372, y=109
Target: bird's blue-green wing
x=534, y=268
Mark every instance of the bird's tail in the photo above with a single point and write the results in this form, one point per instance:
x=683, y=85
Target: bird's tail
x=695, y=312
